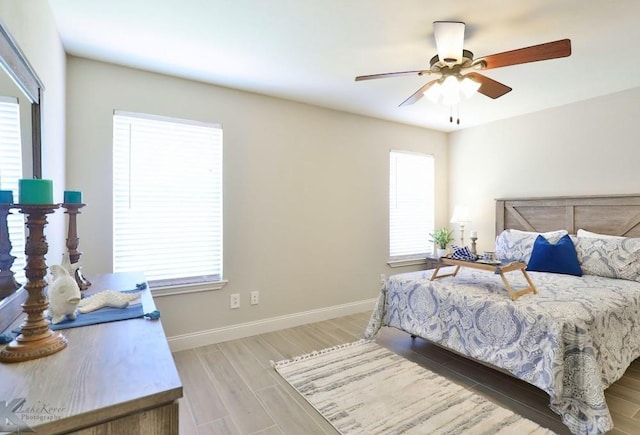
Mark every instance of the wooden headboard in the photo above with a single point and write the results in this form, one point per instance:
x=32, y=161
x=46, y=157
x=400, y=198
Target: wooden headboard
x=608, y=214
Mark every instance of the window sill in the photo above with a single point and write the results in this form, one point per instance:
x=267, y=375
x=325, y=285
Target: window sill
x=187, y=288
x=401, y=262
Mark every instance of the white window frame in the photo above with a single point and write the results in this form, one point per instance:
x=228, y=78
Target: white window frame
x=411, y=207
x=165, y=191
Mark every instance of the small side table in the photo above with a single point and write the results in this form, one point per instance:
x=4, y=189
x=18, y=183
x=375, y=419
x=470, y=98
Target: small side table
x=432, y=262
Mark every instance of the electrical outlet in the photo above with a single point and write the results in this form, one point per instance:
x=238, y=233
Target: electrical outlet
x=383, y=277
x=234, y=301
x=255, y=298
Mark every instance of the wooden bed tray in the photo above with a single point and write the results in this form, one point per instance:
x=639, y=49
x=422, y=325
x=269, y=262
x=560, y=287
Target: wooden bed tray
x=499, y=269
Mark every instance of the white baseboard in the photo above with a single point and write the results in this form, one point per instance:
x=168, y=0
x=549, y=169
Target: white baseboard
x=233, y=332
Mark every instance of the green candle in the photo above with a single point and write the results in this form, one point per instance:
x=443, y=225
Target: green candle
x=32, y=191
x=72, y=197
x=6, y=197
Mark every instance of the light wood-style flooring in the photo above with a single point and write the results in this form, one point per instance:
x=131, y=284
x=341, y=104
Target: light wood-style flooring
x=230, y=388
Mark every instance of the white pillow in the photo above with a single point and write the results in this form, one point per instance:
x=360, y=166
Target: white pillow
x=585, y=233
x=516, y=245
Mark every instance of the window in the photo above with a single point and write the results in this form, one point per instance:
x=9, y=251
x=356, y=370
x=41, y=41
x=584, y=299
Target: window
x=167, y=199
x=411, y=204
x=10, y=173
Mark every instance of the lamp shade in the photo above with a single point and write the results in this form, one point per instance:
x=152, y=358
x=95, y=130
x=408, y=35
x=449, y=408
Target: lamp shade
x=469, y=87
x=433, y=93
x=460, y=214
x=451, y=89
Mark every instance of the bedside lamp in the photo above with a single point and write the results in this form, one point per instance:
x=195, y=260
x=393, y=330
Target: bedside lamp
x=460, y=217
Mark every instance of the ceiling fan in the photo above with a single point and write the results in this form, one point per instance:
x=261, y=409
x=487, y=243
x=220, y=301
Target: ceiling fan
x=458, y=69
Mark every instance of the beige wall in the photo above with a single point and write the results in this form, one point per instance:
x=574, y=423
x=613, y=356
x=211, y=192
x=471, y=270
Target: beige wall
x=33, y=28
x=305, y=191
x=305, y=187
x=585, y=148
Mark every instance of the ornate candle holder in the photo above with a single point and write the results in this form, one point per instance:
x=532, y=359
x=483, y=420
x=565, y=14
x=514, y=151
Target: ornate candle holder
x=37, y=339
x=8, y=283
x=73, y=209
x=473, y=245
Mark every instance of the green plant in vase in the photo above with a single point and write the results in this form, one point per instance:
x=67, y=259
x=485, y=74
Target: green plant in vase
x=442, y=238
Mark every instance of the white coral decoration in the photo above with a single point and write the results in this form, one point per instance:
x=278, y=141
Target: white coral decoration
x=63, y=294
x=107, y=298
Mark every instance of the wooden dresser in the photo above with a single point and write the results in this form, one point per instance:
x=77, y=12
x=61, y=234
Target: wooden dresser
x=116, y=377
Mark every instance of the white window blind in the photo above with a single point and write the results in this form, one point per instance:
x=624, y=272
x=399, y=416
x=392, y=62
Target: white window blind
x=10, y=173
x=411, y=204
x=167, y=199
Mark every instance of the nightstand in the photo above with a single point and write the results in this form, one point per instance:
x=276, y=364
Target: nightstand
x=432, y=261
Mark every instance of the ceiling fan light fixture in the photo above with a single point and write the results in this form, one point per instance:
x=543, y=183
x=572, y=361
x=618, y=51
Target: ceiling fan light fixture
x=449, y=36
x=450, y=90
x=469, y=87
x=433, y=93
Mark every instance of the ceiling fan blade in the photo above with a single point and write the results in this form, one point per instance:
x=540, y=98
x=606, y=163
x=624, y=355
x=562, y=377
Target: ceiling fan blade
x=418, y=94
x=535, y=53
x=489, y=87
x=393, y=74
x=449, y=36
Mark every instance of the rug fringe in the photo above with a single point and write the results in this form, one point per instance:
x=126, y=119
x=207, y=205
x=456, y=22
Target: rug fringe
x=285, y=362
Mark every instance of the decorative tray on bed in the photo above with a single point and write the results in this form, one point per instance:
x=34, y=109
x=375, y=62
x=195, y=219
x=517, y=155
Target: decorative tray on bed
x=497, y=268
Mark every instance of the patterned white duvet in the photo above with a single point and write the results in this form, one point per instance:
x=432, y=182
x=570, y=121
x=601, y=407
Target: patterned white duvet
x=572, y=339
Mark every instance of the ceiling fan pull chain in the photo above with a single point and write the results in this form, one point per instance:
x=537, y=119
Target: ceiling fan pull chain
x=457, y=114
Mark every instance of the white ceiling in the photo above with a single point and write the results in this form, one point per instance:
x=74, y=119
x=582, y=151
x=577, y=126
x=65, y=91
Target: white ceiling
x=311, y=50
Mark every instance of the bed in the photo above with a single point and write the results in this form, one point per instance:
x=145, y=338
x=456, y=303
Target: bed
x=573, y=339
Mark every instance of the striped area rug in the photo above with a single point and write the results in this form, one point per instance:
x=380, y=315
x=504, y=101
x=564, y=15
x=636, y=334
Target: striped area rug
x=363, y=388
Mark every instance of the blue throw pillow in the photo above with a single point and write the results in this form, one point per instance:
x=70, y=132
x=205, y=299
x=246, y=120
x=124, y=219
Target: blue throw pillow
x=558, y=258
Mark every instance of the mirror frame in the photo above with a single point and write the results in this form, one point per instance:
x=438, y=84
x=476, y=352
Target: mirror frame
x=14, y=62
x=20, y=70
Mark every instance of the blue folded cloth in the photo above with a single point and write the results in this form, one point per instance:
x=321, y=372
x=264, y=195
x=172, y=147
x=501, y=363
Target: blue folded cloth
x=104, y=315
